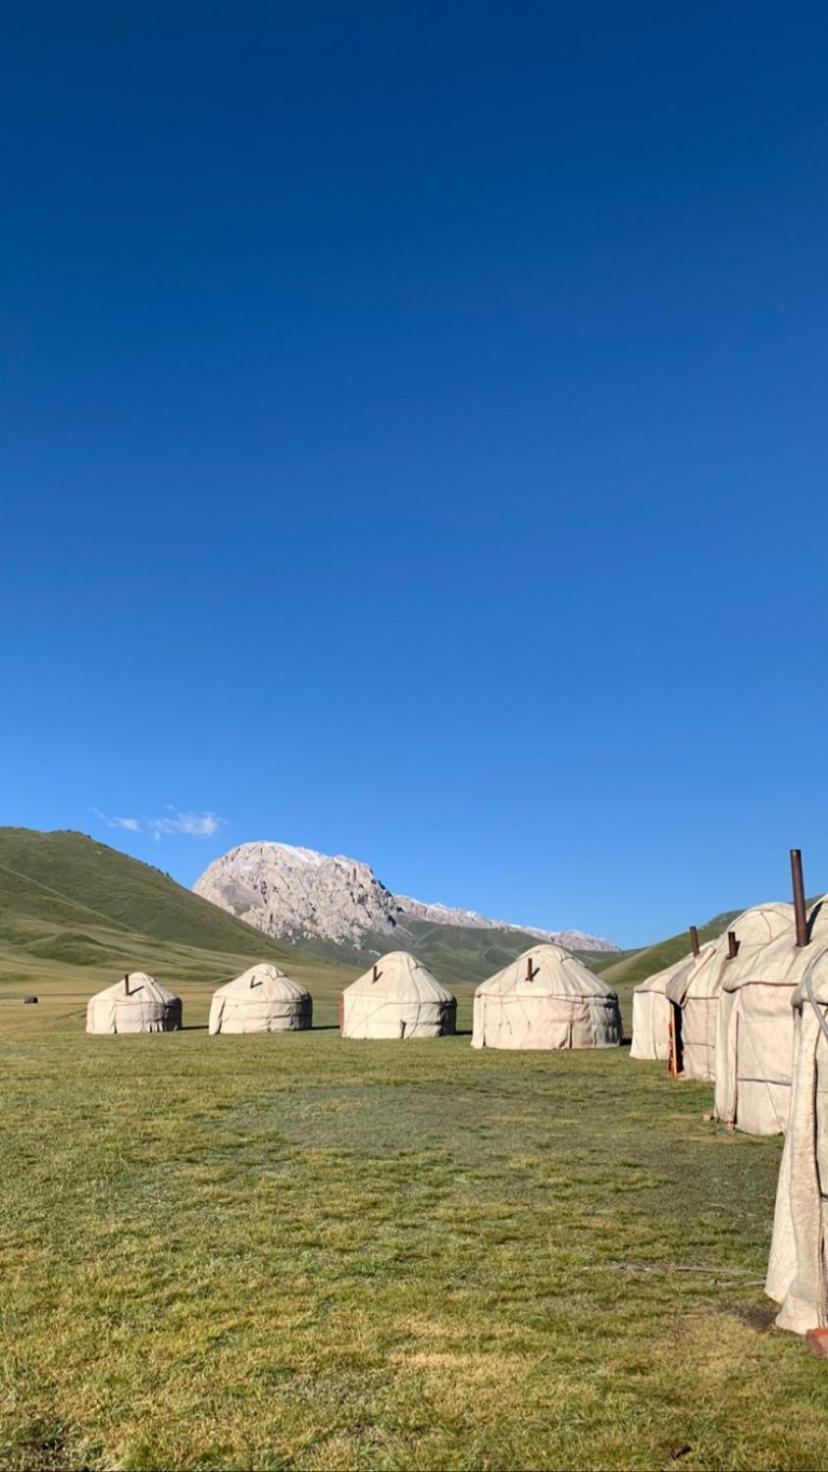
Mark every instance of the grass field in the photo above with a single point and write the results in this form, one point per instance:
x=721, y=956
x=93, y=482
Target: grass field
x=302, y=1252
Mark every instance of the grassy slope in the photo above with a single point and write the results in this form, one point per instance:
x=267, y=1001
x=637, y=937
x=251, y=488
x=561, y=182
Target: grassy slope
x=300, y=1252
x=118, y=890
x=74, y=913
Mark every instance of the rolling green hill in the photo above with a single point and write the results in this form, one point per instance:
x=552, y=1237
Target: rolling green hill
x=68, y=901
x=106, y=887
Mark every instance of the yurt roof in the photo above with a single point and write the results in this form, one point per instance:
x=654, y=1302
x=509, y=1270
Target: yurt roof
x=783, y=962
x=554, y=973
x=756, y=929
x=138, y=982
x=813, y=981
x=263, y=982
x=659, y=980
x=400, y=976
x=701, y=970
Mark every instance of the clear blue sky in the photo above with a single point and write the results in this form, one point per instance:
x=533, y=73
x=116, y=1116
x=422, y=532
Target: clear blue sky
x=414, y=443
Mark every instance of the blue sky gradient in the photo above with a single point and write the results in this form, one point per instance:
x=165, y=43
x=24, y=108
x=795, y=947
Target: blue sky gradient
x=414, y=443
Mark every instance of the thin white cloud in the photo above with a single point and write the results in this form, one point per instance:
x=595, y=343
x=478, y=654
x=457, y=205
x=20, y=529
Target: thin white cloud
x=132, y=825
x=193, y=825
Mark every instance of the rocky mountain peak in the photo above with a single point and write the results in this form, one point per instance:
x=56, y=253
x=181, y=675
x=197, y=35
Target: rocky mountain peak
x=291, y=893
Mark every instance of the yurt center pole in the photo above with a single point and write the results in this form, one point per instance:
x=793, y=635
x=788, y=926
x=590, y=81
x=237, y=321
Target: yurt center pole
x=800, y=915
x=694, y=940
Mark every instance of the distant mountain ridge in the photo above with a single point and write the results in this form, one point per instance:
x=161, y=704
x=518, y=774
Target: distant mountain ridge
x=70, y=904
x=437, y=914
x=294, y=893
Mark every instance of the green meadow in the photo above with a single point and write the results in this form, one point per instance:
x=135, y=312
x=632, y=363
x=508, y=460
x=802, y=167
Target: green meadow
x=302, y=1252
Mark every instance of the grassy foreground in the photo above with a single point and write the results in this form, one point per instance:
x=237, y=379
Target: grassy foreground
x=301, y=1252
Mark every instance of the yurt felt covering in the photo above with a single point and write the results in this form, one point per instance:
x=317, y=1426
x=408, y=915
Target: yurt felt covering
x=695, y=993
x=262, y=999
x=136, y=1003
x=397, y=997
x=798, y=1268
x=754, y=1050
x=651, y=1012
x=546, y=999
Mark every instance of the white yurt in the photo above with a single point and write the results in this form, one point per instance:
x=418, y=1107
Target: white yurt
x=136, y=1003
x=692, y=1026
x=695, y=992
x=546, y=999
x=397, y=998
x=651, y=1012
x=754, y=1054
x=798, y=1268
x=262, y=999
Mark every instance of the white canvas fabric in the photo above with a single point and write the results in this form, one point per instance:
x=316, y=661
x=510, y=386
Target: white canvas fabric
x=692, y=1030
x=397, y=998
x=754, y=1052
x=136, y=1003
x=546, y=999
x=694, y=993
x=262, y=999
x=798, y=1267
x=651, y=1012
x=756, y=1029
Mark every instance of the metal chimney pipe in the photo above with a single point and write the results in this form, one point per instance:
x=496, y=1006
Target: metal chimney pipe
x=126, y=982
x=694, y=940
x=529, y=972
x=732, y=945
x=800, y=914
x=376, y=972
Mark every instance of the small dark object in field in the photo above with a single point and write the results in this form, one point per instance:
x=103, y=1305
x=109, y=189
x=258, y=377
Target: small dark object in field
x=680, y=1451
x=817, y=1340
x=27, y=1001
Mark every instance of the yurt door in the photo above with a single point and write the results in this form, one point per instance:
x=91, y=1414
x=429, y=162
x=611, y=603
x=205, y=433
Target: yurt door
x=676, y=1060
